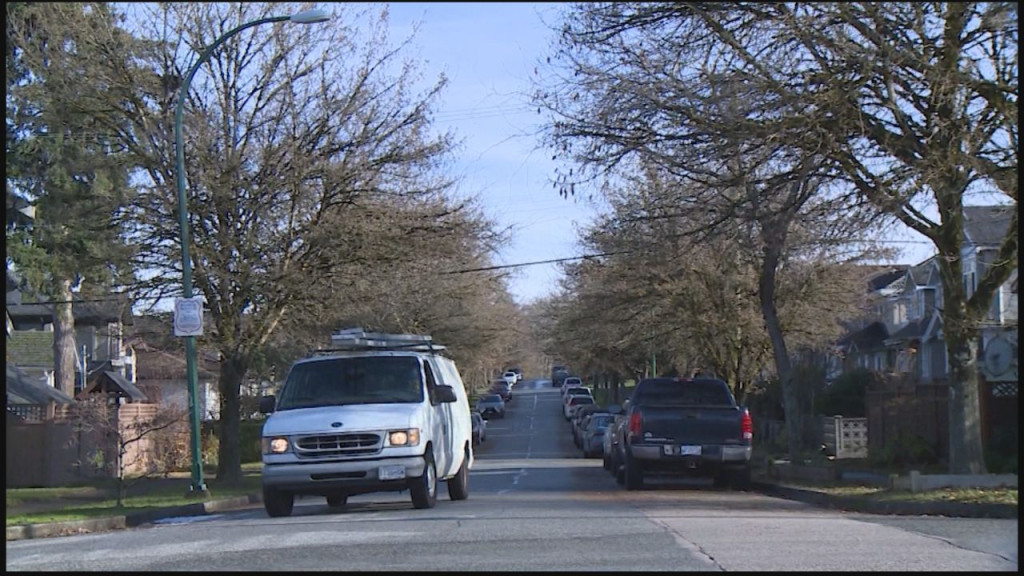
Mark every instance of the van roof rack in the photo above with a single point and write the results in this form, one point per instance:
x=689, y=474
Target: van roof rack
x=357, y=339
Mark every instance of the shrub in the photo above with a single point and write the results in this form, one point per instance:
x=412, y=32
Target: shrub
x=1002, y=449
x=846, y=396
x=904, y=451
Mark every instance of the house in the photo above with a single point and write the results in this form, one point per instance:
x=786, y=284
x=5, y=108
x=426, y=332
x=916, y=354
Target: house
x=915, y=345
x=903, y=338
x=863, y=346
x=903, y=333
x=99, y=335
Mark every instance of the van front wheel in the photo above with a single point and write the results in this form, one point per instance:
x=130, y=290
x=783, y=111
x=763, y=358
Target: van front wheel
x=424, y=489
x=278, y=503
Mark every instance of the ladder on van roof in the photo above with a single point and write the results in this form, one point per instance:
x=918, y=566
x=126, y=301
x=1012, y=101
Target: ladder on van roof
x=357, y=339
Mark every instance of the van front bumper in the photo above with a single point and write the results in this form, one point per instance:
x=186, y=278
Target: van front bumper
x=354, y=477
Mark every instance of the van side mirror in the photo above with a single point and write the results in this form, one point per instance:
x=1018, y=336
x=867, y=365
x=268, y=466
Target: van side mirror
x=445, y=393
x=267, y=404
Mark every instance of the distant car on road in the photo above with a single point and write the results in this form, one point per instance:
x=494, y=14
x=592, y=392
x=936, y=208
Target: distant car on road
x=479, y=429
x=501, y=388
x=577, y=391
x=574, y=402
x=518, y=372
x=491, y=406
x=510, y=377
x=593, y=433
x=571, y=382
x=558, y=375
x=579, y=420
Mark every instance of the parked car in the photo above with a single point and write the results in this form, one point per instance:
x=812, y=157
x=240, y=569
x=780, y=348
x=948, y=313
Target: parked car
x=510, y=377
x=610, y=445
x=685, y=426
x=570, y=382
x=501, y=388
x=574, y=402
x=491, y=406
x=479, y=429
x=577, y=391
x=592, y=441
x=579, y=421
x=376, y=413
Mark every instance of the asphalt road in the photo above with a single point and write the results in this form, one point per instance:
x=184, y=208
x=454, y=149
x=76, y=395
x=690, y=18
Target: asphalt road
x=536, y=505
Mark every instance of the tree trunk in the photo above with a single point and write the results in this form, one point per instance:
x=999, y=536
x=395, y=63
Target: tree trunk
x=63, y=339
x=966, y=452
x=229, y=460
x=783, y=365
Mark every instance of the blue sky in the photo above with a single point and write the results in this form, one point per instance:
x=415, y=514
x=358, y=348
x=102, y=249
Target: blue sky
x=488, y=51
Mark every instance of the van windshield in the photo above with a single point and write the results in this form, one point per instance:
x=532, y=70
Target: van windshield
x=357, y=380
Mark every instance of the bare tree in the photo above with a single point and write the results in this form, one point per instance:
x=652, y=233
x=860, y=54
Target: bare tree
x=636, y=84
x=119, y=446
x=915, y=104
x=310, y=158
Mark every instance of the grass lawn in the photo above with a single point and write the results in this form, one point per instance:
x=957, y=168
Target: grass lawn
x=966, y=495
x=98, y=499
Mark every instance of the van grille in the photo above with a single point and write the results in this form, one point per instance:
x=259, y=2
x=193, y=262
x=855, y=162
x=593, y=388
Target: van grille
x=328, y=445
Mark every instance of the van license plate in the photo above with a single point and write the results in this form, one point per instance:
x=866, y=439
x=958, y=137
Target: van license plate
x=391, y=472
x=689, y=450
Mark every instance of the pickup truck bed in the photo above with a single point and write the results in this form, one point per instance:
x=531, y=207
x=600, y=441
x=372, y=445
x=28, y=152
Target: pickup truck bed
x=684, y=427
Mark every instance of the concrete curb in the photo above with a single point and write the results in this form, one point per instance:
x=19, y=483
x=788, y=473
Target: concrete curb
x=51, y=529
x=853, y=504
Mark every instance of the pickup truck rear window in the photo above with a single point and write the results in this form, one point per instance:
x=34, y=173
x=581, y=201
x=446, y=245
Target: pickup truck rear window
x=684, y=393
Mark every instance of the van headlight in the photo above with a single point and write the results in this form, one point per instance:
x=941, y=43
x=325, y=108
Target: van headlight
x=275, y=445
x=410, y=437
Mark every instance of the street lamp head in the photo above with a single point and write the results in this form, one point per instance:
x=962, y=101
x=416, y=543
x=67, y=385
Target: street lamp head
x=311, y=16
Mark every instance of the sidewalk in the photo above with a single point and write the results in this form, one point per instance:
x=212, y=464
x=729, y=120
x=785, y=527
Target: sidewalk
x=760, y=484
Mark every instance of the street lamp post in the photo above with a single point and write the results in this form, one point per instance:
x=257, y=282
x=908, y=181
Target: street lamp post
x=306, y=17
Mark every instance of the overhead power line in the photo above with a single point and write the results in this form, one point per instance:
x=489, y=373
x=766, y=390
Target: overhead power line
x=538, y=262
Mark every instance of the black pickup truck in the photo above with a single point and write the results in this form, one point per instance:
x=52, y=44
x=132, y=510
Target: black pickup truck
x=678, y=427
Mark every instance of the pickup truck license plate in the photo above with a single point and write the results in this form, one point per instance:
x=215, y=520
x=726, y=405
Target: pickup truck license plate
x=684, y=450
x=391, y=472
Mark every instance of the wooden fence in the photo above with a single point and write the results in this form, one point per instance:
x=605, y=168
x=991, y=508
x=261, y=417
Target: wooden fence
x=907, y=410
x=47, y=453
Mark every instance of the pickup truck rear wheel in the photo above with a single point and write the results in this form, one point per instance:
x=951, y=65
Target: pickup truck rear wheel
x=740, y=479
x=277, y=503
x=423, y=490
x=634, y=477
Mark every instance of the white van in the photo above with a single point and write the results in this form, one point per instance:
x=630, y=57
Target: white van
x=377, y=412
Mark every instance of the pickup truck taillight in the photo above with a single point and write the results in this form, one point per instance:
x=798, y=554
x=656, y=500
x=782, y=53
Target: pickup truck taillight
x=636, y=423
x=747, y=425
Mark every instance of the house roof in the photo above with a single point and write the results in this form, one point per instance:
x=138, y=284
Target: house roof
x=871, y=337
x=912, y=331
x=31, y=348
x=923, y=274
x=153, y=364
x=887, y=276
x=111, y=381
x=987, y=225
x=23, y=390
